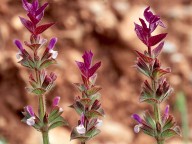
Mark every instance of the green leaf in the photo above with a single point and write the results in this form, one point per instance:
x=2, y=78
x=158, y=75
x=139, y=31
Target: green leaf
x=38, y=91
x=47, y=63
x=76, y=135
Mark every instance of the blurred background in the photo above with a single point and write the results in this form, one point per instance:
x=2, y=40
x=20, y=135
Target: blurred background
x=107, y=28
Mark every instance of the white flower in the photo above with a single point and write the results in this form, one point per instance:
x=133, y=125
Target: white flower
x=42, y=42
x=18, y=55
x=81, y=129
x=137, y=128
x=99, y=123
x=54, y=53
x=60, y=109
x=31, y=121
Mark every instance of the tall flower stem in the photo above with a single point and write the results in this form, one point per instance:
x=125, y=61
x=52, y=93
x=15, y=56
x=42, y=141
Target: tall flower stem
x=45, y=137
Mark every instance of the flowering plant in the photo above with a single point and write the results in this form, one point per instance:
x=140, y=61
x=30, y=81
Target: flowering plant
x=40, y=81
x=157, y=90
x=88, y=106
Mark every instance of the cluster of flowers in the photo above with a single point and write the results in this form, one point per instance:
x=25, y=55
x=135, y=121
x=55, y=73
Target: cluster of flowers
x=88, y=106
x=40, y=81
x=155, y=92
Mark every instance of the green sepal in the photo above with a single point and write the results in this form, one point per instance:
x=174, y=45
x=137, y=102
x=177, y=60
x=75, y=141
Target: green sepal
x=91, y=123
x=94, y=97
x=149, y=120
x=92, y=133
x=47, y=63
x=25, y=63
x=171, y=132
x=148, y=100
x=93, y=90
x=166, y=95
x=38, y=91
x=93, y=114
x=59, y=121
x=157, y=73
x=169, y=123
x=78, y=106
x=85, y=101
x=144, y=72
x=148, y=130
x=80, y=87
x=76, y=135
x=55, y=113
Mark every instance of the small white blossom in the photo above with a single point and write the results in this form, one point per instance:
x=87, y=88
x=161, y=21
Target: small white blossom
x=18, y=55
x=31, y=121
x=54, y=53
x=81, y=129
x=60, y=109
x=137, y=128
x=99, y=123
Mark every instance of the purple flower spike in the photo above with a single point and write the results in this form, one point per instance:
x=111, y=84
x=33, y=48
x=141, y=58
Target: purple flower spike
x=19, y=45
x=137, y=118
x=52, y=43
x=30, y=111
x=56, y=101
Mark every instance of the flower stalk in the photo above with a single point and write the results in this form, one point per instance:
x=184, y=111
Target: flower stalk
x=88, y=105
x=40, y=81
x=157, y=90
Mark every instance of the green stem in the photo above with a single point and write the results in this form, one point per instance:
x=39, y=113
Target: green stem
x=157, y=113
x=41, y=107
x=160, y=141
x=45, y=137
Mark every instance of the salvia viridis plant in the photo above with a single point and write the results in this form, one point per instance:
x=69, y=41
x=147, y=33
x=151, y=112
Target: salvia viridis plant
x=39, y=79
x=155, y=89
x=88, y=105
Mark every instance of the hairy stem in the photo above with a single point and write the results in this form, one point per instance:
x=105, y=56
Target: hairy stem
x=157, y=113
x=41, y=107
x=160, y=141
x=45, y=137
